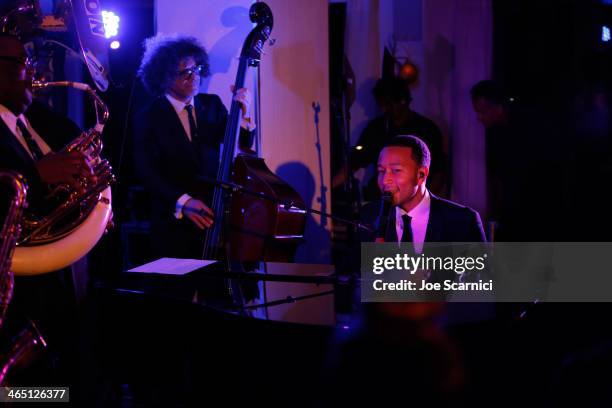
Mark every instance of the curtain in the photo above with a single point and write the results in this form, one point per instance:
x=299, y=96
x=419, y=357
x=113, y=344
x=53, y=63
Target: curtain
x=456, y=46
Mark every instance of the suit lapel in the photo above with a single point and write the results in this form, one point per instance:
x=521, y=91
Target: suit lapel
x=199, y=111
x=205, y=119
x=433, y=233
x=10, y=140
x=174, y=128
x=434, y=224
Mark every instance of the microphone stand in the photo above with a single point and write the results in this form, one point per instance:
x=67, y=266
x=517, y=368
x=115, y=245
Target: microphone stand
x=323, y=199
x=236, y=188
x=232, y=188
x=287, y=300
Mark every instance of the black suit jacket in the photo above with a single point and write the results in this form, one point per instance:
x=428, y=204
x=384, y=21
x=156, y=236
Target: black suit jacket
x=47, y=299
x=14, y=157
x=448, y=222
x=170, y=166
x=54, y=129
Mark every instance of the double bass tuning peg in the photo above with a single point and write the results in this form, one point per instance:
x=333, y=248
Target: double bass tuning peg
x=271, y=41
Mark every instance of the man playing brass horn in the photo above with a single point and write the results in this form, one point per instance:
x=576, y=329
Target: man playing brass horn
x=28, y=135
x=27, y=139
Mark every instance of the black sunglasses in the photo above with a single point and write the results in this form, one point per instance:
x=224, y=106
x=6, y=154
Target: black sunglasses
x=189, y=72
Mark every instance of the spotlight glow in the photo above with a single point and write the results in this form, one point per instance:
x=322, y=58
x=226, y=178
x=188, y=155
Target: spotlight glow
x=111, y=24
x=605, y=33
x=115, y=44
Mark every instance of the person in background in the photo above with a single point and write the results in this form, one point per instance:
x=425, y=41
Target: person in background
x=393, y=97
x=525, y=166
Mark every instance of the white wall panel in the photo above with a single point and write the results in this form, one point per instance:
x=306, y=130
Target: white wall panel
x=293, y=75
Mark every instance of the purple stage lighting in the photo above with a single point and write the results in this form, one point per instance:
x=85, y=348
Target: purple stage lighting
x=111, y=23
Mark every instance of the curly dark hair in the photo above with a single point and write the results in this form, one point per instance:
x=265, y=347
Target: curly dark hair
x=161, y=57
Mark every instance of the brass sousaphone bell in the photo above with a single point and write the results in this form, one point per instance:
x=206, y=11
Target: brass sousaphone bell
x=79, y=219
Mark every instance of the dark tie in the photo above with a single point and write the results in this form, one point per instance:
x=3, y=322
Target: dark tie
x=193, y=130
x=32, y=145
x=407, y=232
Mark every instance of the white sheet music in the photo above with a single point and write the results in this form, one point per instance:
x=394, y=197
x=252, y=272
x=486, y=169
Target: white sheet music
x=172, y=266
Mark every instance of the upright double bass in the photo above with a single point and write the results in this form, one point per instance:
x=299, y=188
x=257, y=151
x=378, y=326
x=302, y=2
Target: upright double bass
x=267, y=223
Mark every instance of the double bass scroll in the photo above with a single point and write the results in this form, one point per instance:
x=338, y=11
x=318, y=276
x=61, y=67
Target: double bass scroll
x=247, y=228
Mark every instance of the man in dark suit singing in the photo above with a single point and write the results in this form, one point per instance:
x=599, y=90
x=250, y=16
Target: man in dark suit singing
x=417, y=215
x=177, y=143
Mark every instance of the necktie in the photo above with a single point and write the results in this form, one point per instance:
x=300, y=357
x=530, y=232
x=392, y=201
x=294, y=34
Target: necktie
x=193, y=130
x=407, y=232
x=32, y=145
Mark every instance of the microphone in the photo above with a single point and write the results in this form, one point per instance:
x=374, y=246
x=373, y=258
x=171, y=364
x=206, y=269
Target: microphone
x=386, y=202
x=225, y=185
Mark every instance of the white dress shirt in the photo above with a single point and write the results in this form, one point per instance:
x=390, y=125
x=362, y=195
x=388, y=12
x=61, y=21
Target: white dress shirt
x=179, y=108
x=419, y=218
x=10, y=120
x=182, y=113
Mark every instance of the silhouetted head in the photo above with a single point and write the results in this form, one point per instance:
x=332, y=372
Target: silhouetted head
x=16, y=70
x=392, y=95
x=491, y=103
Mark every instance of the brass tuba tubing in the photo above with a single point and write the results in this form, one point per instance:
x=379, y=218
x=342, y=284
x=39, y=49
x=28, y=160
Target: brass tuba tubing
x=4, y=19
x=38, y=85
x=26, y=345
x=79, y=218
x=11, y=228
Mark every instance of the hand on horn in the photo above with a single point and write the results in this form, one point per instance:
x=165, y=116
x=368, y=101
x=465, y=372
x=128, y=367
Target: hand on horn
x=66, y=167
